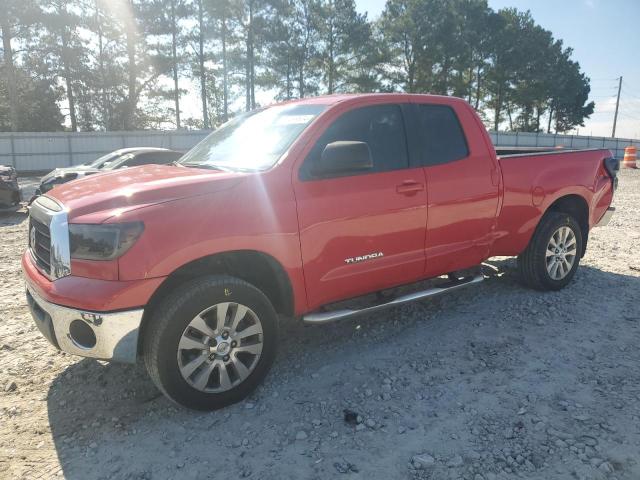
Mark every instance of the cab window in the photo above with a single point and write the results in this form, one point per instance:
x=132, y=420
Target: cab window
x=442, y=138
x=380, y=126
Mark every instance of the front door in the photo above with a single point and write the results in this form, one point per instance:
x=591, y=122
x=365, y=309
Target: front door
x=365, y=231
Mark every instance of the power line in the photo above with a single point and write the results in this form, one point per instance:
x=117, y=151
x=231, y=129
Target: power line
x=626, y=85
x=626, y=92
x=605, y=88
x=626, y=115
x=630, y=105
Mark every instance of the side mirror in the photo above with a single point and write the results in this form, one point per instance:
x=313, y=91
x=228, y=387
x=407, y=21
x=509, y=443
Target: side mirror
x=343, y=158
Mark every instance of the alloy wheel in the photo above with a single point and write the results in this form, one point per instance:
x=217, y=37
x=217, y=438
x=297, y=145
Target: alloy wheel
x=220, y=347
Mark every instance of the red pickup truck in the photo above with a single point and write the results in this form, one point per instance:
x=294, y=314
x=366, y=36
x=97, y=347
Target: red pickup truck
x=292, y=210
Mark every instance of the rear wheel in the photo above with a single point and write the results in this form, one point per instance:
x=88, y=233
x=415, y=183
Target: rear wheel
x=553, y=254
x=212, y=342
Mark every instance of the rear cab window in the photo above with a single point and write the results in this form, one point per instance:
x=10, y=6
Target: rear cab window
x=440, y=135
x=380, y=126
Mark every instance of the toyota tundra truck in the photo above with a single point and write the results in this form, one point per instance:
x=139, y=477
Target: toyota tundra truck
x=295, y=210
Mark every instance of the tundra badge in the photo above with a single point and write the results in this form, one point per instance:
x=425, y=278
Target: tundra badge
x=370, y=256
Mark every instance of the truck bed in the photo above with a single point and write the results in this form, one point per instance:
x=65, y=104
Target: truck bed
x=533, y=181
x=517, y=152
x=502, y=151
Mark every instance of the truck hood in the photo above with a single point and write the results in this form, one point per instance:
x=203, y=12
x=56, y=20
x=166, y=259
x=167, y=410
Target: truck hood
x=95, y=199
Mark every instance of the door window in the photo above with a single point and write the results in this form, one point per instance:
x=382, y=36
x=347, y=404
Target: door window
x=380, y=126
x=443, y=140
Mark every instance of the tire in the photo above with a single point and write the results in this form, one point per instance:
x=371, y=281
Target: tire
x=536, y=268
x=189, y=317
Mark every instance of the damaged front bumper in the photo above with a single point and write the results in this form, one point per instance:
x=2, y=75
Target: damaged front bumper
x=105, y=336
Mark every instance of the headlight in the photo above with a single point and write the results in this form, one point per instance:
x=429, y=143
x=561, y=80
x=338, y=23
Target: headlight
x=103, y=242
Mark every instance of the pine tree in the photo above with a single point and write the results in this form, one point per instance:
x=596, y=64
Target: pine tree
x=15, y=17
x=348, y=57
x=123, y=64
x=199, y=35
x=61, y=43
x=163, y=26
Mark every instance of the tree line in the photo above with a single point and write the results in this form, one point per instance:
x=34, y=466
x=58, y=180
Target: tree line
x=90, y=65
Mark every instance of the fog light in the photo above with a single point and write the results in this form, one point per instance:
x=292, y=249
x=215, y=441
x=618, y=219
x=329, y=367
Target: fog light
x=82, y=334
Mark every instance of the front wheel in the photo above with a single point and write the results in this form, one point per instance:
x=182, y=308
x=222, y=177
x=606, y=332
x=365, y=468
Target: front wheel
x=553, y=254
x=211, y=343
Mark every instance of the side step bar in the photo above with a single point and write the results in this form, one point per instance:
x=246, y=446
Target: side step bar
x=332, y=316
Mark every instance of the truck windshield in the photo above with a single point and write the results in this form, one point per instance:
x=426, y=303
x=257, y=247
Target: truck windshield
x=252, y=141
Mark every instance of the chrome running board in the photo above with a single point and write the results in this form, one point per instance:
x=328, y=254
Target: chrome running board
x=332, y=316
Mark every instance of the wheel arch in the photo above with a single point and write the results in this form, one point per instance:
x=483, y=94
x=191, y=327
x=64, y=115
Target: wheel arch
x=576, y=206
x=257, y=268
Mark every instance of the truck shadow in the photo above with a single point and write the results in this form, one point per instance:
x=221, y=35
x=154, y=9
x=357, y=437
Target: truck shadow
x=108, y=405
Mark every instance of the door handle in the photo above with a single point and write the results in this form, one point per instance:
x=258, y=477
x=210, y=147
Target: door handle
x=409, y=187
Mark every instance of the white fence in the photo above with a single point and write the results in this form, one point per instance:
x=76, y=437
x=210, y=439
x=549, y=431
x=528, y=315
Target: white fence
x=31, y=152
x=523, y=139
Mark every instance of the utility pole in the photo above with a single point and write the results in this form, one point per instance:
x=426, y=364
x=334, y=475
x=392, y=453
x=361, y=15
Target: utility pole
x=615, y=118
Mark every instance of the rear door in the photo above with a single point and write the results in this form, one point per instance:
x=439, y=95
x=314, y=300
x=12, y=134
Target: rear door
x=362, y=232
x=462, y=186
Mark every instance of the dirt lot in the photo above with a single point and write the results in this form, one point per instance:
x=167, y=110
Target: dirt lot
x=493, y=382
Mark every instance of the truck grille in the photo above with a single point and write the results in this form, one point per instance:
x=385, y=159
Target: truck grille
x=40, y=243
x=49, y=238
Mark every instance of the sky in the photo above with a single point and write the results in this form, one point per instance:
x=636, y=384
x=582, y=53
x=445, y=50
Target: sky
x=605, y=37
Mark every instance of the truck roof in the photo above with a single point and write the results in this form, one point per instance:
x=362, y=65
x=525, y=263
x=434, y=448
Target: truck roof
x=343, y=97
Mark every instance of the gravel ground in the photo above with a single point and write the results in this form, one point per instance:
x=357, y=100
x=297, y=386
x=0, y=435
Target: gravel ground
x=493, y=382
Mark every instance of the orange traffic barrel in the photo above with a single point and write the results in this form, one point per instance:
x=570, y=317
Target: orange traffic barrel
x=630, y=154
